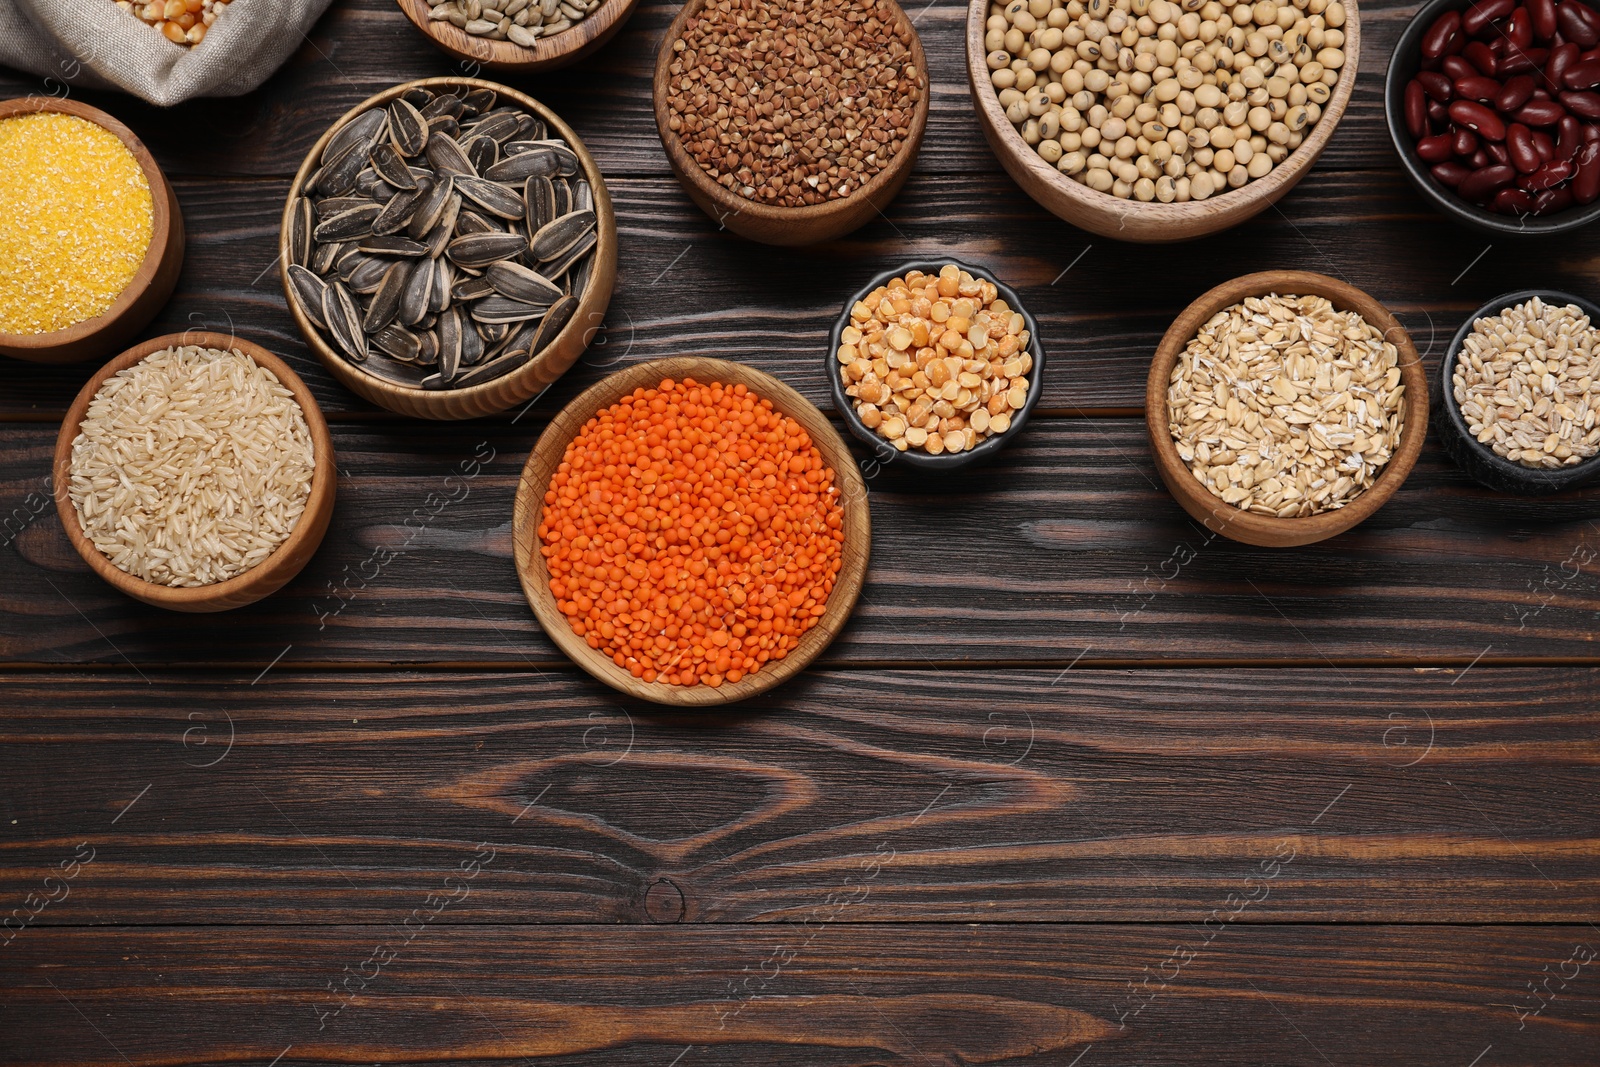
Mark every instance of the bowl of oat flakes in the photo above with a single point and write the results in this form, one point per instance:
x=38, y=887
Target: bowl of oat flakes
x=1285, y=407
x=1519, y=393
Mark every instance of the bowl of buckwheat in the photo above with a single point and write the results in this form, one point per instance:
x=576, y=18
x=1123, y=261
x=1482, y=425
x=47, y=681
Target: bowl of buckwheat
x=935, y=365
x=1519, y=391
x=1285, y=407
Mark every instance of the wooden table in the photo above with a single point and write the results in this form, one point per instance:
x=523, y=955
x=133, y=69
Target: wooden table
x=1076, y=786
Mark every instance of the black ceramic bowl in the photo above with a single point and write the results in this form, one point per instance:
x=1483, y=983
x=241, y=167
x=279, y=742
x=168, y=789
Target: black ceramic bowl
x=915, y=458
x=1479, y=461
x=1402, y=67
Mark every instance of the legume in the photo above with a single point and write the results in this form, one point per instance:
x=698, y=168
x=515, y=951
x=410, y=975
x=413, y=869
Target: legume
x=76, y=225
x=179, y=21
x=1527, y=382
x=794, y=102
x=1285, y=406
x=692, y=533
x=936, y=362
x=1504, y=110
x=1151, y=100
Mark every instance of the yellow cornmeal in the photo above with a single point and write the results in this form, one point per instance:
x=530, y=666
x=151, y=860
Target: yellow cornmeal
x=76, y=223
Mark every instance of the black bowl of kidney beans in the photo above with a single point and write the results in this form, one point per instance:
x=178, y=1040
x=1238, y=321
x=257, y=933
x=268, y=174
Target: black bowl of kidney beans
x=1494, y=107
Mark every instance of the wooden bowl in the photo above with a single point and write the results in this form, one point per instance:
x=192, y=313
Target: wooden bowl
x=551, y=53
x=814, y=223
x=152, y=284
x=1133, y=220
x=518, y=386
x=266, y=577
x=1264, y=530
x=551, y=449
x=915, y=458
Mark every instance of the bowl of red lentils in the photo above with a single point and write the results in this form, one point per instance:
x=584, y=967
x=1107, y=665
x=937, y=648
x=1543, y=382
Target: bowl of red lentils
x=691, y=531
x=92, y=237
x=935, y=365
x=792, y=122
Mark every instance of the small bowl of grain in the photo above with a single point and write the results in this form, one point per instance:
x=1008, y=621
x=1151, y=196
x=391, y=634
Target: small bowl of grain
x=1285, y=407
x=935, y=365
x=195, y=472
x=1519, y=392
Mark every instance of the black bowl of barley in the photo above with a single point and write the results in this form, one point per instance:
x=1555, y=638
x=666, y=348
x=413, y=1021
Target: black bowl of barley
x=1519, y=392
x=892, y=396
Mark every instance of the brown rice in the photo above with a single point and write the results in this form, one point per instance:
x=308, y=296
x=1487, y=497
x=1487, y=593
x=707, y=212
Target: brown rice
x=191, y=466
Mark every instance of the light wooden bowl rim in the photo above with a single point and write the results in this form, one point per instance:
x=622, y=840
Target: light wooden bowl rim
x=379, y=387
x=160, y=228
x=286, y=555
x=1221, y=206
x=550, y=450
x=1264, y=530
x=549, y=54
x=816, y=216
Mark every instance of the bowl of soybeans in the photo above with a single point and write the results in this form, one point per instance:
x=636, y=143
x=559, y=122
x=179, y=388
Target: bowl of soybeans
x=1194, y=118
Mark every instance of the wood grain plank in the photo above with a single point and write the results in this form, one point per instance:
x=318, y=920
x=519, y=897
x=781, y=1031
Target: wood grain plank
x=684, y=288
x=929, y=796
x=361, y=47
x=843, y=995
x=1068, y=545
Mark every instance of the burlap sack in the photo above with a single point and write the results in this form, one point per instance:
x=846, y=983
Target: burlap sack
x=94, y=44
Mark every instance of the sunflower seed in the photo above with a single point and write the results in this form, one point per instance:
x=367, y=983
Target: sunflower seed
x=447, y=156
x=482, y=249
x=323, y=259
x=482, y=152
x=368, y=274
x=431, y=208
x=372, y=187
x=519, y=283
x=347, y=265
x=403, y=374
x=428, y=348
x=561, y=234
x=504, y=309
x=540, y=195
x=438, y=238
x=493, y=332
x=330, y=206
x=470, y=222
x=499, y=126
x=468, y=289
x=309, y=293
x=491, y=196
x=417, y=298
x=357, y=222
x=582, y=196
x=408, y=130
x=390, y=167
x=301, y=222
x=563, y=196
x=393, y=246
x=386, y=301
x=541, y=161
x=418, y=97
x=447, y=105
x=443, y=280
x=563, y=263
x=398, y=342
x=478, y=101
x=397, y=213
x=359, y=134
x=555, y=320
x=344, y=321
x=338, y=177
x=472, y=347
x=450, y=330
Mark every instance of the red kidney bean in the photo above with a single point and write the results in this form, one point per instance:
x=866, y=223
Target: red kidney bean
x=1591, y=133
x=1479, y=159
x=1569, y=137
x=1416, y=110
x=1519, y=144
x=1456, y=67
x=1464, y=143
x=1586, y=183
x=1511, y=201
x=1551, y=201
x=1584, y=74
x=1481, y=183
x=1545, y=145
x=1479, y=55
x=1519, y=29
x=1438, y=86
x=1548, y=176
x=1479, y=119
x=1451, y=174
x=1574, y=27
x=1438, y=112
x=1525, y=60
x=1484, y=12
x=1484, y=89
x=1435, y=149
x=1542, y=13
x=1562, y=56
x=1443, y=37
x=1515, y=93
x=1539, y=113
x=1585, y=105
x=1497, y=152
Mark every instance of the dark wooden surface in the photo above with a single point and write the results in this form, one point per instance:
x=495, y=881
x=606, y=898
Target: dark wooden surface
x=1076, y=786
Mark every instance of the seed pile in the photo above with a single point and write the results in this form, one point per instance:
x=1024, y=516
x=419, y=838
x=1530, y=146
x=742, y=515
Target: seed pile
x=794, y=102
x=443, y=241
x=191, y=466
x=76, y=225
x=692, y=533
x=936, y=362
x=179, y=21
x=1285, y=406
x=1528, y=383
x=522, y=22
x=1151, y=100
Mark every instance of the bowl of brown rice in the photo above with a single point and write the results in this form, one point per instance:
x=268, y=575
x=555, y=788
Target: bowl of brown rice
x=194, y=472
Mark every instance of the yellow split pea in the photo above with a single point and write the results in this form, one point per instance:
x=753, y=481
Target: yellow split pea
x=76, y=225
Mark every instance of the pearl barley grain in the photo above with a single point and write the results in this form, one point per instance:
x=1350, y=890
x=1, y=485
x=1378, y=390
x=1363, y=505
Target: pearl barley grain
x=1121, y=94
